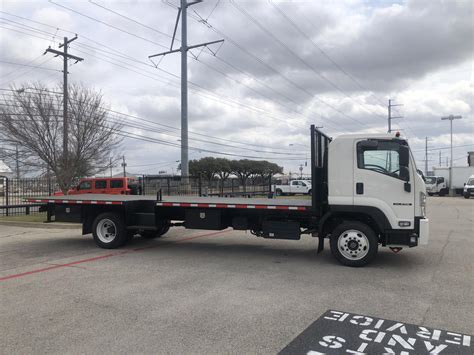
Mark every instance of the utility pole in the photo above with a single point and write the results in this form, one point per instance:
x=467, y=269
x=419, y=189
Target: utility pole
x=111, y=167
x=390, y=117
x=426, y=156
x=182, y=12
x=440, y=158
x=451, y=118
x=124, y=166
x=65, y=56
x=17, y=163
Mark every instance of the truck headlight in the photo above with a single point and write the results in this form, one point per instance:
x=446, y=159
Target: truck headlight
x=423, y=203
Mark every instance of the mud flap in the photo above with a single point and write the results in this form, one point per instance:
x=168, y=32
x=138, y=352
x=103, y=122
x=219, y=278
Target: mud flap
x=320, y=244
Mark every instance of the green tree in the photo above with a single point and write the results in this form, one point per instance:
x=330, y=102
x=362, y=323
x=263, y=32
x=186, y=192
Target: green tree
x=223, y=171
x=243, y=170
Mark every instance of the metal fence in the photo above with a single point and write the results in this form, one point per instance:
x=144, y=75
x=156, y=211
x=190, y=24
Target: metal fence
x=13, y=193
x=199, y=186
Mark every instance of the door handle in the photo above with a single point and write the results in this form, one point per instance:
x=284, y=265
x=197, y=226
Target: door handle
x=359, y=188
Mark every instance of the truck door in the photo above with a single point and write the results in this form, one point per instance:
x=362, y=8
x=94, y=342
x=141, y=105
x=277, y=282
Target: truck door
x=294, y=187
x=381, y=182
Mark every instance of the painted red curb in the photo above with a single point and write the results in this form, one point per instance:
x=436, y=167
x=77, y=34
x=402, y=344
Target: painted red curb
x=105, y=256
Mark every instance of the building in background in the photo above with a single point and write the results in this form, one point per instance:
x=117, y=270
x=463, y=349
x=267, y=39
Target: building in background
x=5, y=171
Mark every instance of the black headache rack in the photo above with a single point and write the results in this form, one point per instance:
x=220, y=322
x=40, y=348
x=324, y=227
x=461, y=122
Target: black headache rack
x=319, y=171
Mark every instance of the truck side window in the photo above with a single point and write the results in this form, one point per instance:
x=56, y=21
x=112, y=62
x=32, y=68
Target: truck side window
x=85, y=185
x=101, y=184
x=382, y=157
x=116, y=184
x=440, y=180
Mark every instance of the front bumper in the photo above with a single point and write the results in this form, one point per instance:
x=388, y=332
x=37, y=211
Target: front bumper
x=423, y=231
x=408, y=237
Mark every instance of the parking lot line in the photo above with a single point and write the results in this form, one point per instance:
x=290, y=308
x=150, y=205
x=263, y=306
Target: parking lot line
x=105, y=256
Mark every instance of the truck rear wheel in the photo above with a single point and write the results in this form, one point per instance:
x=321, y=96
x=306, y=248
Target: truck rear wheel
x=278, y=192
x=109, y=231
x=354, y=243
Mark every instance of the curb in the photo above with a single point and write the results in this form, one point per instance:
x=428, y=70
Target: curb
x=52, y=225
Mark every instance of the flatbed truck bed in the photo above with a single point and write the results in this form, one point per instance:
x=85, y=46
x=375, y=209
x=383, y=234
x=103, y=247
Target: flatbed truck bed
x=181, y=201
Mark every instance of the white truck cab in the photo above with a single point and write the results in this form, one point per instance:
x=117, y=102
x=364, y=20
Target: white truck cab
x=436, y=185
x=468, y=190
x=376, y=176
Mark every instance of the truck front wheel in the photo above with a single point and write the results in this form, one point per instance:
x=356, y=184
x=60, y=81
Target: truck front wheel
x=354, y=243
x=109, y=231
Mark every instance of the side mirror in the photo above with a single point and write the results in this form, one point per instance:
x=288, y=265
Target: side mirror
x=404, y=173
x=404, y=156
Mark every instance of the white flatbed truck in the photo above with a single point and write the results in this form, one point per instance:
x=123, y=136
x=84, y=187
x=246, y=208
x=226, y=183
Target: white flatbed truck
x=365, y=192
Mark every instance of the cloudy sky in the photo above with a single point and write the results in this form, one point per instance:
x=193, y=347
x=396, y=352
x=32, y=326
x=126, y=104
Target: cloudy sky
x=283, y=66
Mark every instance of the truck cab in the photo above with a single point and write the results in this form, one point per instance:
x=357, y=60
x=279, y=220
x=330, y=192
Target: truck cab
x=373, y=180
x=436, y=185
x=468, y=190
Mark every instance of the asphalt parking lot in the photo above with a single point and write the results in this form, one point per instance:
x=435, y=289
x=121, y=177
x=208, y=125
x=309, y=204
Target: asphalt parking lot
x=220, y=292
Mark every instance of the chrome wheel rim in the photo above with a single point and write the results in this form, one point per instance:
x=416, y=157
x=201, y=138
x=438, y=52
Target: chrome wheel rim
x=106, y=230
x=353, y=244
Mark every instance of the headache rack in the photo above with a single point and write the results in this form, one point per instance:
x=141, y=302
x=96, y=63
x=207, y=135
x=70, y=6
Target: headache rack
x=319, y=170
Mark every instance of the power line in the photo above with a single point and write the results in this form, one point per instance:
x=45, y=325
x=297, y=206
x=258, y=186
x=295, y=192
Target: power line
x=201, y=20
x=148, y=128
x=300, y=31
x=215, y=56
x=282, y=44
x=30, y=66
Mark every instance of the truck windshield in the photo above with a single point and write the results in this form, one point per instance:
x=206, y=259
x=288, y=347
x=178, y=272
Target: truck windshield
x=430, y=180
x=470, y=182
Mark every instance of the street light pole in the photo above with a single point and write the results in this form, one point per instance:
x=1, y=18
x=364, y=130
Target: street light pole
x=451, y=118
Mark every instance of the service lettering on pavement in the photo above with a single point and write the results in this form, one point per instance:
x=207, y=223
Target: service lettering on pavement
x=337, y=332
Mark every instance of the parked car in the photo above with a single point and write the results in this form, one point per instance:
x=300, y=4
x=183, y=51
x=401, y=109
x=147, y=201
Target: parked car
x=114, y=186
x=469, y=187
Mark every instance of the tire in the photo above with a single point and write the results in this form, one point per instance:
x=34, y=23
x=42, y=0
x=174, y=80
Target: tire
x=443, y=192
x=109, y=231
x=309, y=192
x=466, y=196
x=430, y=194
x=156, y=234
x=279, y=192
x=363, y=245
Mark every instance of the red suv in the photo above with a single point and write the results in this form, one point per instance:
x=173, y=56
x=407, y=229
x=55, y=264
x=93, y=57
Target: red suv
x=115, y=186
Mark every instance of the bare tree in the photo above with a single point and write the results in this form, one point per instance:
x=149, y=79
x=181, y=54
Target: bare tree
x=31, y=118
